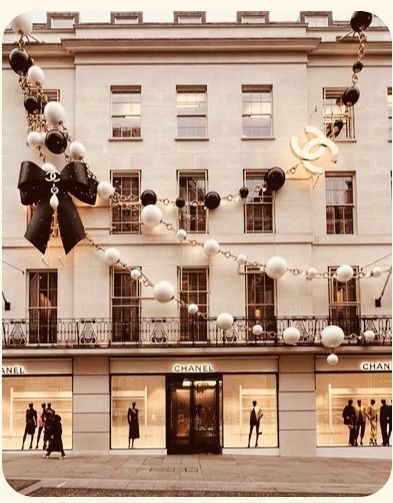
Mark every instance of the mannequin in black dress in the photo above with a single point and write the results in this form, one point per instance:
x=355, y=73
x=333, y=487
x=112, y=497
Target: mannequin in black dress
x=133, y=421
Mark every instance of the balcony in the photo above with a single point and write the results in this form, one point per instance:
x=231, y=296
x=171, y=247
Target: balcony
x=190, y=332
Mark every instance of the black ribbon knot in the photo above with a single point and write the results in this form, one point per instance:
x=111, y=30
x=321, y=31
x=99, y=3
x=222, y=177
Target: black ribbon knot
x=35, y=188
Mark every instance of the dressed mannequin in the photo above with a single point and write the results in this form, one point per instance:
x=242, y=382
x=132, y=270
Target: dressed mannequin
x=384, y=420
x=133, y=421
x=372, y=415
x=360, y=412
x=31, y=424
x=350, y=420
x=255, y=419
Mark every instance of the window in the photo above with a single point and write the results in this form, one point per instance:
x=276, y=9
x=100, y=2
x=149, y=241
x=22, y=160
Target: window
x=126, y=112
x=42, y=307
x=125, y=219
x=190, y=17
x=343, y=303
x=192, y=188
x=126, y=17
x=194, y=289
x=258, y=210
x=260, y=293
x=335, y=113
x=191, y=111
x=125, y=307
x=257, y=111
x=316, y=21
x=61, y=20
x=252, y=17
x=390, y=112
x=339, y=204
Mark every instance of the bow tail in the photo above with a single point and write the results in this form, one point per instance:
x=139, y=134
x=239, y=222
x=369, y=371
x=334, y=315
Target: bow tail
x=70, y=224
x=38, y=230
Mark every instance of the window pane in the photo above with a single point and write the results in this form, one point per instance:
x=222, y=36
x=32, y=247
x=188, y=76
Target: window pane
x=339, y=204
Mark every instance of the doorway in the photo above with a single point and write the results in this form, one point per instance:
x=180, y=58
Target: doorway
x=194, y=418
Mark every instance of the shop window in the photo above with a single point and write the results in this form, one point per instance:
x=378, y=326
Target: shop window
x=18, y=392
x=42, y=307
x=258, y=207
x=344, y=302
x=191, y=105
x=192, y=188
x=340, y=205
x=194, y=289
x=126, y=305
x=260, y=293
x=125, y=219
x=240, y=391
x=257, y=116
x=148, y=393
x=334, y=390
x=126, y=112
x=338, y=119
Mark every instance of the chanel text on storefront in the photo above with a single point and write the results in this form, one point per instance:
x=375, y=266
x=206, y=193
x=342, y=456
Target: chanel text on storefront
x=193, y=367
x=376, y=366
x=12, y=370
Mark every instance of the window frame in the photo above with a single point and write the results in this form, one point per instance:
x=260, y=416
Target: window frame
x=129, y=174
x=51, y=334
x=131, y=305
x=256, y=89
x=192, y=89
x=248, y=202
x=50, y=16
x=268, y=323
x=348, y=114
x=345, y=205
x=180, y=17
x=333, y=288
x=188, y=205
x=131, y=89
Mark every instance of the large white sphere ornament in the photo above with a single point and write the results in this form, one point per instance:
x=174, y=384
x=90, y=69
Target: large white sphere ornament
x=112, y=256
x=332, y=336
x=211, y=247
x=105, y=190
x=181, y=234
x=35, y=75
x=48, y=167
x=291, y=335
x=136, y=274
x=193, y=309
x=376, y=272
x=344, y=273
x=276, y=267
x=35, y=139
x=54, y=201
x=163, y=291
x=332, y=359
x=311, y=273
x=241, y=259
x=54, y=113
x=224, y=321
x=22, y=24
x=151, y=216
x=369, y=336
x=257, y=329
x=77, y=150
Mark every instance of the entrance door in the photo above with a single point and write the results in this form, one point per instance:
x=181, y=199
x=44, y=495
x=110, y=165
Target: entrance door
x=193, y=414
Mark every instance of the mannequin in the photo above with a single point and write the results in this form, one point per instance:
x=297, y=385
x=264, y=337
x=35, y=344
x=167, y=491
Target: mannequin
x=350, y=420
x=255, y=419
x=384, y=420
x=360, y=412
x=31, y=424
x=372, y=416
x=133, y=421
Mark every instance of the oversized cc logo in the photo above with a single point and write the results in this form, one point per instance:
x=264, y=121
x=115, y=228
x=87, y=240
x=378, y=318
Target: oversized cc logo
x=313, y=149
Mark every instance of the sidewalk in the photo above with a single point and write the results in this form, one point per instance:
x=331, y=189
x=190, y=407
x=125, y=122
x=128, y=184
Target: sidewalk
x=188, y=475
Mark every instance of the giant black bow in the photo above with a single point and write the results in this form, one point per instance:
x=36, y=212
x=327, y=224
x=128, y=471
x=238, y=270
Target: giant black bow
x=35, y=187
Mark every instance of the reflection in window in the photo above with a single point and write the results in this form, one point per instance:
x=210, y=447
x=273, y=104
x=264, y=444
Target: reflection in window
x=191, y=111
x=126, y=112
x=257, y=111
x=43, y=307
x=192, y=188
x=338, y=119
x=148, y=392
x=332, y=394
x=125, y=219
x=258, y=210
x=344, y=305
x=18, y=392
x=239, y=393
x=194, y=289
x=260, y=299
x=125, y=307
x=339, y=204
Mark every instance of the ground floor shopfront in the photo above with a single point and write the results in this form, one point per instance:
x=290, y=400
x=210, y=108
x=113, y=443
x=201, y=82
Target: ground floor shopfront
x=191, y=404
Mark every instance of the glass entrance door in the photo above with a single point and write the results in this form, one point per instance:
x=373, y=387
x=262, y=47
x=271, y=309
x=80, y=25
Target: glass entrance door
x=193, y=415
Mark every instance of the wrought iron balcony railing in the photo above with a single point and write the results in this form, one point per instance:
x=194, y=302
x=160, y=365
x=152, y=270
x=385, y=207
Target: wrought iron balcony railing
x=172, y=332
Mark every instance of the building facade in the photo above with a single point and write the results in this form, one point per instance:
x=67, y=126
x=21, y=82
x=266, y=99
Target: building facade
x=184, y=109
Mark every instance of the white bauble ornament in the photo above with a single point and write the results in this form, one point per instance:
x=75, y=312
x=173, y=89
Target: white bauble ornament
x=332, y=336
x=136, y=274
x=224, y=321
x=344, y=273
x=35, y=139
x=376, y=272
x=112, y=256
x=332, y=359
x=54, y=113
x=54, y=201
x=77, y=150
x=291, y=335
x=211, y=247
x=105, y=190
x=163, y=291
x=48, y=167
x=311, y=273
x=151, y=216
x=35, y=75
x=276, y=267
x=257, y=329
x=181, y=234
x=369, y=336
x=192, y=309
x=241, y=259
x=22, y=24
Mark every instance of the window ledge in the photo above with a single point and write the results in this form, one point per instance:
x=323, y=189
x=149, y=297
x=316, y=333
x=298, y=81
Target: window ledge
x=125, y=139
x=345, y=140
x=191, y=138
x=248, y=138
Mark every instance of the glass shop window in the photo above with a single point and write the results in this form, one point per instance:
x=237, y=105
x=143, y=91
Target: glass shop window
x=240, y=391
x=18, y=392
x=148, y=393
